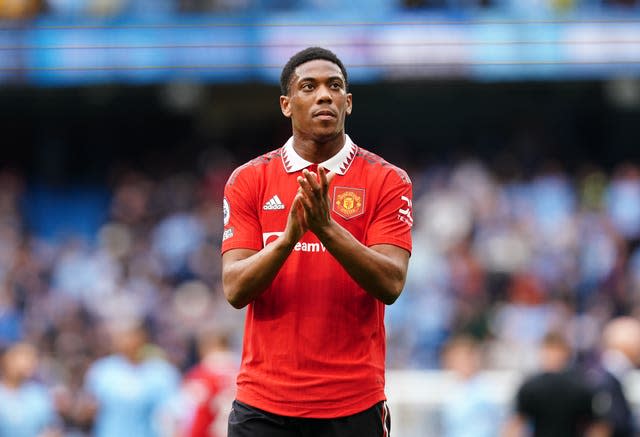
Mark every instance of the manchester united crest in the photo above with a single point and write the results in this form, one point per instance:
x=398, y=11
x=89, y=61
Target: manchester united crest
x=348, y=202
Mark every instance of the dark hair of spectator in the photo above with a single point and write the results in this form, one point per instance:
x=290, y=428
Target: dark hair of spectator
x=556, y=339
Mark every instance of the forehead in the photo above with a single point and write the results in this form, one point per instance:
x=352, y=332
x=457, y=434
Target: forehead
x=318, y=68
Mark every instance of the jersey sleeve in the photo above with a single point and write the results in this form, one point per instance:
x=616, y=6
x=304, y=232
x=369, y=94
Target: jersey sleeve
x=242, y=229
x=393, y=219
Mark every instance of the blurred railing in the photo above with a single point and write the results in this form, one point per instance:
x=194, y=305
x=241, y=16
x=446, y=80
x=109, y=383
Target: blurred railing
x=214, y=48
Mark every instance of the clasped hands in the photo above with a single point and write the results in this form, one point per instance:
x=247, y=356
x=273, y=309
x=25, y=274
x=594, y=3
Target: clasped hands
x=311, y=207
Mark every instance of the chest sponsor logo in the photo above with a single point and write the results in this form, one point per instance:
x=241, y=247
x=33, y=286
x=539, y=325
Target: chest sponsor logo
x=270, y=237
x=301, y=246
x=348, y=202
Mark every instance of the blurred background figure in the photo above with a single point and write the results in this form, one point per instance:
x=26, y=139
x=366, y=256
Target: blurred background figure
x=620, y=355
x=468, y=409
x=557, y=401
x=209, y=387
x=20, y=9
x=130, y=385
x=26, y=408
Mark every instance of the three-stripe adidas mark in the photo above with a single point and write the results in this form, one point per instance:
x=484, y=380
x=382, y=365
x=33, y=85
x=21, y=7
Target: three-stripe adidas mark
x=273, y=203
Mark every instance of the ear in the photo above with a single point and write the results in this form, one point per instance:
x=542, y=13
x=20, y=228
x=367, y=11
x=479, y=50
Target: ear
x=349, y=103
x=284, y=106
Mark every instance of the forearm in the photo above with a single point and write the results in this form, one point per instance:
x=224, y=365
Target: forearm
x=380, y=275
x=246, y=278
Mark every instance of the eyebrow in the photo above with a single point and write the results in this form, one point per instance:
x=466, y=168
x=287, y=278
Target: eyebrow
x=315, y=79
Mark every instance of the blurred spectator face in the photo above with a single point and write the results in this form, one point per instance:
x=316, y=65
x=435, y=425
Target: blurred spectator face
x=128, y=340
x=623, y=334
x=555, y=353
x=19, y=362
x=462, y=357
x=19, y=9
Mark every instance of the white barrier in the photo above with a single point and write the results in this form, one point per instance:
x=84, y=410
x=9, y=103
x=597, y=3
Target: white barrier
x=416, y=397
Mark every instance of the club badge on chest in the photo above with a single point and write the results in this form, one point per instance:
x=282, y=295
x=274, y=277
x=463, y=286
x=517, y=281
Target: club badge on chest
x=348, y=202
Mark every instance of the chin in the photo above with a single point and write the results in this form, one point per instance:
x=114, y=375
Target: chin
x=325, y=137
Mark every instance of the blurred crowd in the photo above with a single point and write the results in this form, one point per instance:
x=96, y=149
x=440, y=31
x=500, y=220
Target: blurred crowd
x=21, y=9
x=131, y=319
x=508, y=258
x=499, y=256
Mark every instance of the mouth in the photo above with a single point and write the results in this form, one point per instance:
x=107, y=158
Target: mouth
x=324, y=114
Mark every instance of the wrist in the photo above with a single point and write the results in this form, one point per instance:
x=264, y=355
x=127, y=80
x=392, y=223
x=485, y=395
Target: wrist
x=326, y=232
x=286, y=242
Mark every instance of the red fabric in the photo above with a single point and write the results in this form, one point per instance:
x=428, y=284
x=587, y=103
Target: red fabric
x=314, y=343
x=210, y=389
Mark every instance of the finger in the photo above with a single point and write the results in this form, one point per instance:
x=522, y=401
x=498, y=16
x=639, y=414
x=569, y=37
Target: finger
x=312, y=178
x=325, y=178
x=304, y=197
x=297, y=211
x=295, y=204
x=305, y=188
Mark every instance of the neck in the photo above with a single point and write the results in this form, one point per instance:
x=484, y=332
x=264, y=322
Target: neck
x=317, y=151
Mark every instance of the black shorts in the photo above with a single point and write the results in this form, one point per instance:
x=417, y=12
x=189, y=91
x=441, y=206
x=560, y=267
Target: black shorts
x=247, y=421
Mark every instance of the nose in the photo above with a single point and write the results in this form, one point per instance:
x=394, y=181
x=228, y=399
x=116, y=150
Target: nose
x=324, y=95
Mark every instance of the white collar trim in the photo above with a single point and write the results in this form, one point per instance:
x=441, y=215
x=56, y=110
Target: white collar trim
x=338, y=163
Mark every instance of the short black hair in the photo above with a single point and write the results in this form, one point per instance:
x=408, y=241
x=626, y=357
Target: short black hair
x=306, y=55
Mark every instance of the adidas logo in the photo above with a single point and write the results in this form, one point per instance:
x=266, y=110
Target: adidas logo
x=273, y=203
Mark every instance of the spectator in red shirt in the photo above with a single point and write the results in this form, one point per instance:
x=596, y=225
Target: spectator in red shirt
x=210, y=386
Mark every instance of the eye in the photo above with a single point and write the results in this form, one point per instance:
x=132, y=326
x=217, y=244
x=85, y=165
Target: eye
x=307, y=86
x=336, y=85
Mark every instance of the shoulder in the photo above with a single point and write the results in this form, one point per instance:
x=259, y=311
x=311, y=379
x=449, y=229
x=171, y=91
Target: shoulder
x=160, y=367
x=106, y=364
x=389, y=170
x=35, y=388
x=255, y=165
x=160, y=363
x=534, y=382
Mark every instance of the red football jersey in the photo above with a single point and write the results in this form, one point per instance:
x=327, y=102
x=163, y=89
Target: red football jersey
x=314, y=343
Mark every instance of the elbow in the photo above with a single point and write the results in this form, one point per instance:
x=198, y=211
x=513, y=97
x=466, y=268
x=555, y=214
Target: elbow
x=390, y=298
x=233, y=295
x=392, y=292
x=236, y=303
x=234, y=298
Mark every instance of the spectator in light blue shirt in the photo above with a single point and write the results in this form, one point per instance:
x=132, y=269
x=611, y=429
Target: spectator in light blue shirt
x=26, y=409
x=131, y=385
x=468, y=408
